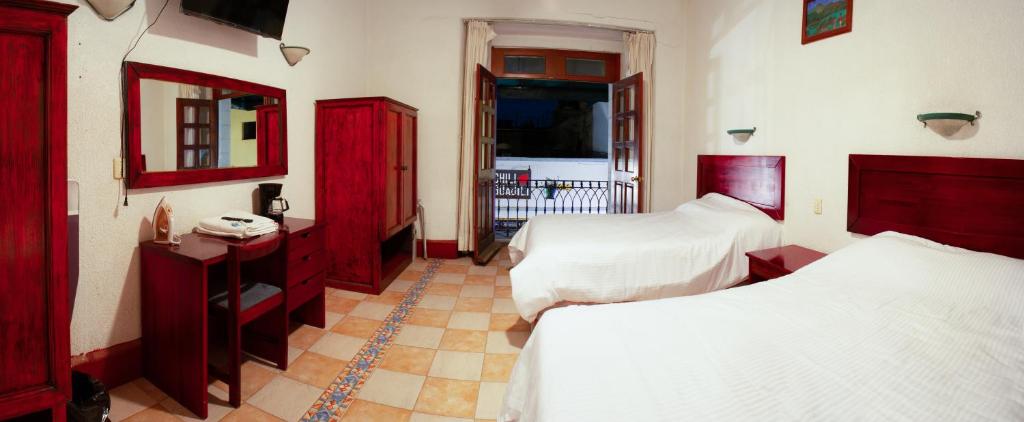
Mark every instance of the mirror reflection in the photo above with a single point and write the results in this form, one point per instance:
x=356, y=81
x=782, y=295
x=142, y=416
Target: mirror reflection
x=187, y=127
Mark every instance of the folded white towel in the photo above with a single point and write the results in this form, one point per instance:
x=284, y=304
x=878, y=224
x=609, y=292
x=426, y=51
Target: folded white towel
x=217, y=226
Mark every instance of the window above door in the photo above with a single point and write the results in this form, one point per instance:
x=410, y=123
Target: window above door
x=566, y=65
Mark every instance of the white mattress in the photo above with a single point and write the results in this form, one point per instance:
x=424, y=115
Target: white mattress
x=891, y=328
x=698, y=247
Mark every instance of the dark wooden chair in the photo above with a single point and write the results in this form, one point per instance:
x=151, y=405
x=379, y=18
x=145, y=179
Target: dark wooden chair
x=252, y=294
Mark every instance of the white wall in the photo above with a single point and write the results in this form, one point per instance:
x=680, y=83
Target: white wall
x=854, y=93
x=414, y=55
x=107, y=306
x=557, y=168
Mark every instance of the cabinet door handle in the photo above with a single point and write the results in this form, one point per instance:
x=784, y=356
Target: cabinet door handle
x=403, y=168
x=307, y=257
x=305, y=235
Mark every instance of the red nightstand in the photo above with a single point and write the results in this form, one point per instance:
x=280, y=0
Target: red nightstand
x=767, y=264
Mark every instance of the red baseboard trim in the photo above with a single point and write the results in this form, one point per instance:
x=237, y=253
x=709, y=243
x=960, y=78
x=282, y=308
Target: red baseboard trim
x=444, y=249
x=114, y=366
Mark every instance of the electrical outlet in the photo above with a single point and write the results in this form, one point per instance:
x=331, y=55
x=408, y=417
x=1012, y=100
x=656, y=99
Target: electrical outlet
x=118, y=169
x=817, y=206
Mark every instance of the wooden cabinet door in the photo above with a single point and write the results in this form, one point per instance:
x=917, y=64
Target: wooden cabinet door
x=392, y=170
x=408, y=169
x=34, y=356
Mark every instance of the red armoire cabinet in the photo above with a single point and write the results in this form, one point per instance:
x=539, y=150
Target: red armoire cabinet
x=366, y=189
x=34, y=324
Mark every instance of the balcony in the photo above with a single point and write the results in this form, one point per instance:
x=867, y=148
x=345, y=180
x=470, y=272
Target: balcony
x=518, y=197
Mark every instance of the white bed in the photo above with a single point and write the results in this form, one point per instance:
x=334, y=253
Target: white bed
x=893, y=327
x=698, y=247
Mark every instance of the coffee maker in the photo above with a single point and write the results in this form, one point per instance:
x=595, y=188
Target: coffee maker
x=272, y=205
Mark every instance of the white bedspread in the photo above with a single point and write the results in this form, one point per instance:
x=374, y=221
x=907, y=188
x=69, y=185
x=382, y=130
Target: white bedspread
x=699, y=247
x=891, y=328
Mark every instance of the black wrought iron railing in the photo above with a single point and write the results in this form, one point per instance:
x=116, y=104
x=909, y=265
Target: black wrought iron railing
x=519, y=199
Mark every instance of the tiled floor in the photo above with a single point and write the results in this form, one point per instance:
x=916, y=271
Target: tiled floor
x=450, y=361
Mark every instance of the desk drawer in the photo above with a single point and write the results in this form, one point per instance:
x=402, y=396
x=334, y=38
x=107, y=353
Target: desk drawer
x=302, y=244
x=303, y=291
x=301, y=267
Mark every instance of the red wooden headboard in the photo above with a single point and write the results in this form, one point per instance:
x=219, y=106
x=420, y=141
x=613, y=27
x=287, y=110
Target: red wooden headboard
x=973, y=203
x=759, y=180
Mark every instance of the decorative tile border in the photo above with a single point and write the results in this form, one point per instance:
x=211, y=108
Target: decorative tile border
x=340, y=394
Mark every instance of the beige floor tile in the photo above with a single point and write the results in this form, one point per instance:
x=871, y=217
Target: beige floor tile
x=420, y=336
x=473, y=304
x=502, y=291
x=504, y=306
x=411, y=360
x=391, y=388
x=401, y=286
x=506, y=341
x=498, y=368
x=249, y=413
x=418, y=264
x=502, y=280
x=410, y=275
x=470, y=321
x=331, y=319
x=348, y=294
x=150, y=389
x=304, y=336
x=216, y=409
x=465, y=260
x=477, y=291
x=364, y=411
x=128, y=400
x=387, y=298
x=340, y=305
x=370, y=310
x=153, y=414
x=441, y=303
x=443, y=289
x=478, y=270
x=429, y=317
x=338, y=346
x=294, y=353
x=449, y=268
x=508, y=322
x=356, y=327
x=285, y=398
x=464, y=340
x=480, y=280
x=464, y=366
x=448, y=397
x=425, y=417
x=449, y=278
x=488, y=404
x=315, y=369
x=254, y=376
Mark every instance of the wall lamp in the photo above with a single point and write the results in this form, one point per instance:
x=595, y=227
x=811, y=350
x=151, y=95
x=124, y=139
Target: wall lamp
x=293, y=54
x=947, y=124
x=741, y=135
x=111, y=9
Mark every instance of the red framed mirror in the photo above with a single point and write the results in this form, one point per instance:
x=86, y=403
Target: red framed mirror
x=186, y=127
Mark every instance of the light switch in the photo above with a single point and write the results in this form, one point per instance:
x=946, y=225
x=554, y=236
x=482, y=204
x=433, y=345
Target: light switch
x=817, y=206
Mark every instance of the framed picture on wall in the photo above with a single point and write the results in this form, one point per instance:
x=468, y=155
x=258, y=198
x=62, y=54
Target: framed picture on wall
x=826, y=18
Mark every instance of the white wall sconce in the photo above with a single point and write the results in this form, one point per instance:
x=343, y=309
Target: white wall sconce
x=111, y=9
x=947, y=124
x=741, y=135
x=293, y=54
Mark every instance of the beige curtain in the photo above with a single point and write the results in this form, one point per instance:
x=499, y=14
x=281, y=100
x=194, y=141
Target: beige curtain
x=639, y=57
x=478, y=51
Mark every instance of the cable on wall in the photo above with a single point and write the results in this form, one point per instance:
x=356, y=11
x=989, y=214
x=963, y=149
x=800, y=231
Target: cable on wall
x=124, y=90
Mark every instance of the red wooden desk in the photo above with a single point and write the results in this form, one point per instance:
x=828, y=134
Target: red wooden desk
x=174, y=303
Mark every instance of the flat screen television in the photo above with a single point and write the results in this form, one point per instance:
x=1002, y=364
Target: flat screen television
x=263, y=17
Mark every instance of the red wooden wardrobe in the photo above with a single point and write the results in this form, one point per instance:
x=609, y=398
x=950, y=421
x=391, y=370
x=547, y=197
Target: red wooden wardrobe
x=366, y=189
x=34, y=323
